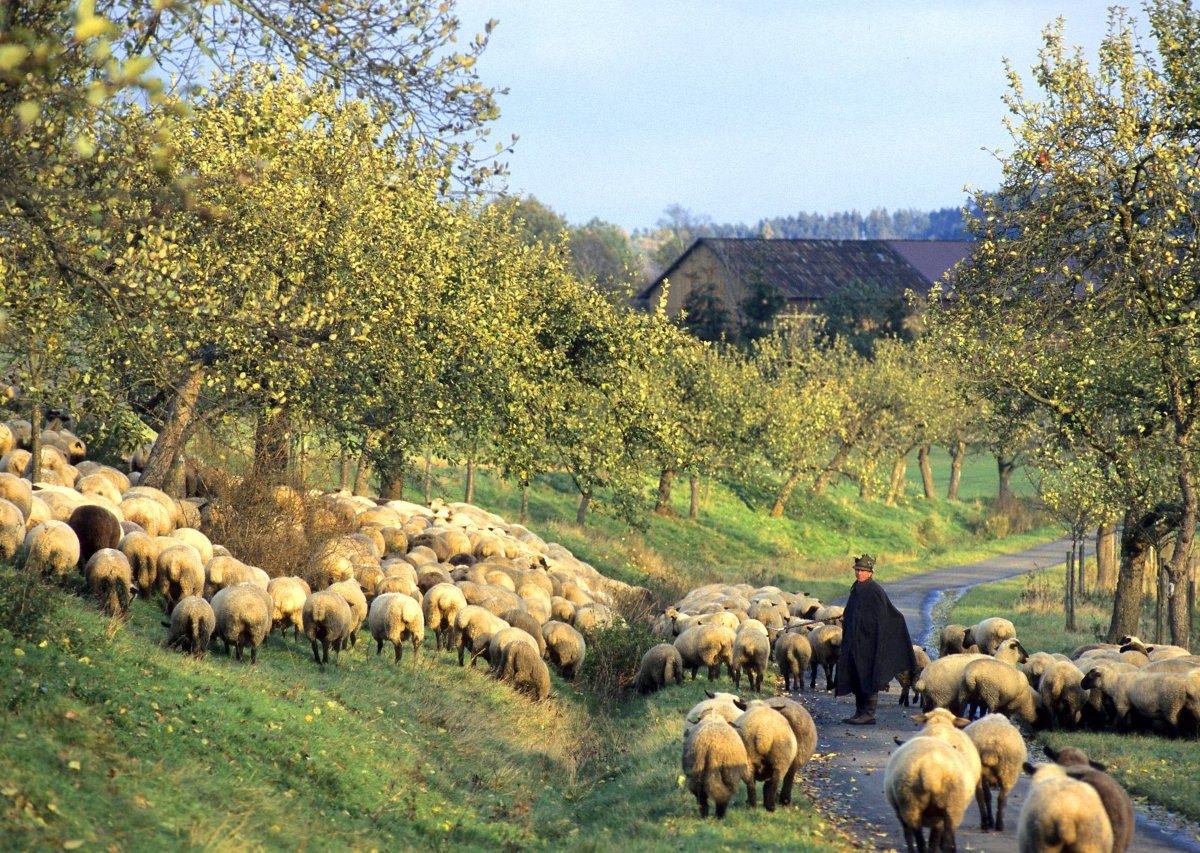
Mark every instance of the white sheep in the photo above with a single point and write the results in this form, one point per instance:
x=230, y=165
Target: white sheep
x=192, y=624
x=723, y=704
x=353, y=593
x=19, y=491
x=1062, y=694
x=1117, y=804
x=243, y=614
x=142, y=551
x=714, y=762
x=771, y=748
x=660, y=665
x=109, y=580
x=826, y=642
x=941, y=682
x=179, y=573
x=441, y=604
x=223, y=571
x=1165, y=701
x=706, y=645
x=1001, y=749
x=907, y=678
x=396, y=617
x=566, y=648
x=12, y=529
x=805, y=731
x=989, y=634
x=327, y=620
x=998, y=688
x=288, y=595
x=51, y=548
x=473, y=629
x=792, y=655
x=521, y=666
x=926, y=786
x=1061, y=813
x=751, y=656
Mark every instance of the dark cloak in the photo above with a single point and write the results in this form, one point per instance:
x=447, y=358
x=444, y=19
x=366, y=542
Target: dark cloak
x=875, y=641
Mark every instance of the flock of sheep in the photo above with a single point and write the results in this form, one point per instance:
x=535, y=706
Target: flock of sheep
x=495, y=590
x=480, y=585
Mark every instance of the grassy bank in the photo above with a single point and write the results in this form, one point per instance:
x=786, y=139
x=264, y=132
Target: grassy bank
x=1159, y=769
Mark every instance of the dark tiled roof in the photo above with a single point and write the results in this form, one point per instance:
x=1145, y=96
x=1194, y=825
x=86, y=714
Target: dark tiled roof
x=815, y=269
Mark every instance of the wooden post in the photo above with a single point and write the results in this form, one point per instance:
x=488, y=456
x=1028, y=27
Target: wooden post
x=1069, y=599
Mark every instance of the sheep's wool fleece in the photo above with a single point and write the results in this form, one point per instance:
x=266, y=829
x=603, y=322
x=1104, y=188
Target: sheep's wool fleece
x=875, y=641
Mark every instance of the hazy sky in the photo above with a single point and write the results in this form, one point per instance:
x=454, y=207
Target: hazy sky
x=744, y=110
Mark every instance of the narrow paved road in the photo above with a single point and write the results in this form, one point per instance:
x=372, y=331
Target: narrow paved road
x=845, y=777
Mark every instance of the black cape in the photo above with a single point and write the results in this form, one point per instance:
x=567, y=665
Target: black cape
x=875, y=641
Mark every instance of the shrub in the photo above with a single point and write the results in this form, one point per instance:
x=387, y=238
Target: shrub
x=28, y=603
x=612, y=661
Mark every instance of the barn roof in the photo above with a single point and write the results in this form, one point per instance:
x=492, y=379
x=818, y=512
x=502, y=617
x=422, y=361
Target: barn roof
x=816, y=269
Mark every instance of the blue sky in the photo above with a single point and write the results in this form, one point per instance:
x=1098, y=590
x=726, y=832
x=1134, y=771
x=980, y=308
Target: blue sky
x=753, y=109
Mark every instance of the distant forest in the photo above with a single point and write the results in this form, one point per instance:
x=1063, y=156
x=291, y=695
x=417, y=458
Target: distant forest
x=879, y=224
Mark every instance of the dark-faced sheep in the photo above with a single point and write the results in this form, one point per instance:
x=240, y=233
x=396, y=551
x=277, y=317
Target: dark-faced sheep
x=659, y=666
x=1061, y=811
x=1117, y=804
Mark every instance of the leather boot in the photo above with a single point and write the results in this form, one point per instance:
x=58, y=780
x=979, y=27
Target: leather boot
x=866, y=714
x=859, y=700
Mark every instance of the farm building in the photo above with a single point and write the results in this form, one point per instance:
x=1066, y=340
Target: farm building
x=802, y=272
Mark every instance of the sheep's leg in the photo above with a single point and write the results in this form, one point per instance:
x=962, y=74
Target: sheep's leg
x=378, y=647
x=399, y=651
x=722, y=806
x=702, y=799
x=770, y=791
x=253, y=655
x=737, y=678
x=913, y=840
x=785, y=792
x=812, y=684
x=1001, y=797
x=751, y=794
x=416, y=644
x=239, y=646
x=982, y=800
x=829, y=676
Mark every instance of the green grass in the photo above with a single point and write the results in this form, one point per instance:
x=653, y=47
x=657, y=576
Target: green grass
x=1159, y=769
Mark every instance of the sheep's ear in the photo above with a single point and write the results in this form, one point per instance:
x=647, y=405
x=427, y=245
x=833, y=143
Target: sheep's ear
x=898, y=741
x=919, y=718
x=166, y=624
x=710, y=694
x=1097, y=765
x=961, y=722
x=1028, y=768
x=1051, y=752
x=740, y=703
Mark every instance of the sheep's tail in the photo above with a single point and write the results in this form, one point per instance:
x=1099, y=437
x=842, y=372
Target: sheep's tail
x=196, y=636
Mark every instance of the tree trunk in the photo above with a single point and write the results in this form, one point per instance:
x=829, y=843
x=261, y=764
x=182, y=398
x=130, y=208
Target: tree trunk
x=694, y=499
x=662, y=503
x=786, y=492
x=585, y=498
x=272, y=439
x=391, y=480
x=1127, y=604
x=896, y=485
x=523, y=516
x=1106, y=556
x=35, y=439
x=1185, y=533
x=469, y=491
x=428, y=478
x=926, y=473
x=1005, y=468
x=344, y=473
x=175, y=484
x=958, y=450
x=1069, y=590
x=170, y=441
x=362, y=477
x=835, y=464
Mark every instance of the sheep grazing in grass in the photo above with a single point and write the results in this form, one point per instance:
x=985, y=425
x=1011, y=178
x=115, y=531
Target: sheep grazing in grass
x=826, y=642
x=706, y=645
x=1117, y=804
x=792, y=655
x=660, y=665
x=1001, y=749
x=771, y=748
x=441, y=604
x=941, y=682
x=502, y=639
x=192, y=624
x=522, y=667
x=519, y=618
x=96, y=528
x=327, y=620
x=926, y=786
x=147, y=512
x=473, y=629
x=179, y=573
x=12, y=529
x=723, y=705
x=51, y=548
x=109, y=580
x=997, y=687
x=394, y=618
x=288, y=595
x=1165, y=701
x=1062, y=694
x=1036, y=664
x=908, y=678
x=142, y=551
x=243, y=615
x=714, y=763
x=223, y=571
x=1061, y=813
x=567, y=649
x=751, y=655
